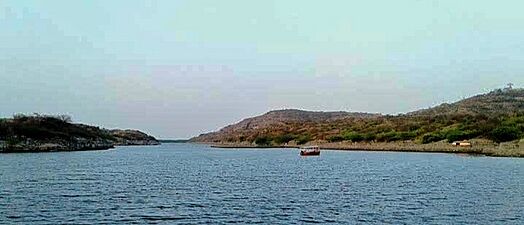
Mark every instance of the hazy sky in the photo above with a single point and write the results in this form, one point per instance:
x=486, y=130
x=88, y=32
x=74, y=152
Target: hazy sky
x=179, y=68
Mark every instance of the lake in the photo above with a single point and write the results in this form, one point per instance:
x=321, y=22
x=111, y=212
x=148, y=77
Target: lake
x=196, y=184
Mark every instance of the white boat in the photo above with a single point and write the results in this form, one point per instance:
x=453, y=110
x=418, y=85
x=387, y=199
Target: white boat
x=309, y=150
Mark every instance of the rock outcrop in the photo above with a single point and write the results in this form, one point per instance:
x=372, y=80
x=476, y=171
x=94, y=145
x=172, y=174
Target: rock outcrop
x=132, y=137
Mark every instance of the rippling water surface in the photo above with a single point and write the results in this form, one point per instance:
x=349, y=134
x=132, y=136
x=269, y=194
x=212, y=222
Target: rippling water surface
x=194, y=184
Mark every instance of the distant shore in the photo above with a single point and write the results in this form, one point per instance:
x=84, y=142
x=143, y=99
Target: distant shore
x=7, y=151
x=480, y=147
x=32, y=146
x=57, y=133
x=35, y=147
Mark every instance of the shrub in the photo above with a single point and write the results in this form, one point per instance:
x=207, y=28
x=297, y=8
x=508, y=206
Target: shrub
x=517, y=122
x=263, y=140
x=432, y=137
x=303, y=139
x=336, y=138
x=406, y=135
x=11, y=141
x=282, y=139
x=369, y=137
x=353, y=136
x=505, y=133
x=387, y=137
x=459, y=135
x=396, y=136
x=4, y=129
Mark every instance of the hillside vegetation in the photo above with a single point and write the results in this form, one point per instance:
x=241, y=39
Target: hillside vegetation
x=50, y=133
x=497, y=116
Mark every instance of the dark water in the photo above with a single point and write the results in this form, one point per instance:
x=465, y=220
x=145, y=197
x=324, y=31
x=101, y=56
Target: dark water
x=192, y=184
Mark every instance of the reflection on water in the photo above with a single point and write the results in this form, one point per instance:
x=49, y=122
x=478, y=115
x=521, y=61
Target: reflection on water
x=184, y=183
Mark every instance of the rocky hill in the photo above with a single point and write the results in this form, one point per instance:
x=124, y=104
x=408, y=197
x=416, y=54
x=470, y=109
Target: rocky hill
x=498, y=116
x=248, y=128
x=57, y=133
x=132, y=137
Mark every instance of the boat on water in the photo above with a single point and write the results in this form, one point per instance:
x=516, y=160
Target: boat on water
x=310, y=151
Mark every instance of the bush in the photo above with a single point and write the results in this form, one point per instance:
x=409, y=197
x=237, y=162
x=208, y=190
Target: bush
x=353, y=136
x=336, y=138
x=459, y=135
x=263, y=140
x=4, y=129
x=283, y=139
x=387, y=137
x=396, y=136
x=517, y=122
x=369, y=137
x=505, y=133
x=11, y=141
x=303, y=139
x=432, y=137
x=406, y=135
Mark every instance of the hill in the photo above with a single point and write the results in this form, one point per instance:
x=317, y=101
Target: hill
x=498, y=102
x=132, y=137
x=249, y=129
x=57, y=133
x=497, y=116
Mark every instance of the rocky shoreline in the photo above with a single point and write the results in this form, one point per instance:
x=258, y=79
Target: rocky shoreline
x=55, y=146
x=31, y=146
x=480, y=147
x=44, y=133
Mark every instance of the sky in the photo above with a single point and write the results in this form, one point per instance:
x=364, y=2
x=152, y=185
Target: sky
x=176, y=69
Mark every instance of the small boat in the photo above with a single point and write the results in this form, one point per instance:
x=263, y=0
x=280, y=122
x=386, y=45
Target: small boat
x=309, y=150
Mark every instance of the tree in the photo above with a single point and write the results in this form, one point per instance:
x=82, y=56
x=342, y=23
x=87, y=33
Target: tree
x=263, y=140
x=432, y=137
x=303, y=139
x=353, y=136
x=65, y=118
x=336, y=138
x=505, y=133
x=285, y=138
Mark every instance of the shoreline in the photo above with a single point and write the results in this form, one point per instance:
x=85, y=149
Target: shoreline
x=360, y=150
x=56, y=150
x=485, y=149
x=38, y=149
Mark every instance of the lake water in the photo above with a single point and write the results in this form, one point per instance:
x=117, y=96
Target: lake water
x=195, y=184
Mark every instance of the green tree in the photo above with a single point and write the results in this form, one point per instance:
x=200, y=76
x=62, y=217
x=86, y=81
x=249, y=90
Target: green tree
x=432, y=137
x=369, y=136
x=459, y=135
x=407, y=135
x=336, y=138
x=353, y=136
x=303, y=139
x=389, y=136
x=263, y=140
x=283, y=139
x=505, y=133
